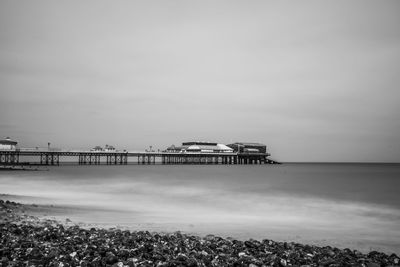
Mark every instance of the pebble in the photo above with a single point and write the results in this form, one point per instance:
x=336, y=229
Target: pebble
x=28, y=241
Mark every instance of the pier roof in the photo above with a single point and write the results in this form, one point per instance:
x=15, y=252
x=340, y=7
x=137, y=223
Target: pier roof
x=249, y=144
x=8, y=141
x=199, y=143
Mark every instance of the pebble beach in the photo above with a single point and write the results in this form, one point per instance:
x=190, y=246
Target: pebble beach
x=30, y=240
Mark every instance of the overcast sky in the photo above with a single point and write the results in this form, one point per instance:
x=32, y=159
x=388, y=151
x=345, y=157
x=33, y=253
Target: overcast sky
x=314, y=80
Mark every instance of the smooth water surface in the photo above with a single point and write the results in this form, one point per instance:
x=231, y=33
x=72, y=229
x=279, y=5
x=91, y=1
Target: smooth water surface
x=345, y=205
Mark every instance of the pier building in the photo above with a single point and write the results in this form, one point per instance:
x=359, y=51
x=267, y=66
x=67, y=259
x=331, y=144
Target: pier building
x=109, y=148
x=205, y=147
x=173, y=149
x=8, y=151
x=8, y=144
x=200, y=147
x=245, y=147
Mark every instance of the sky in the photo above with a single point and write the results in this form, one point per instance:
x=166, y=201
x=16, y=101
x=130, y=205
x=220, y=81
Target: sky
x=313, y=80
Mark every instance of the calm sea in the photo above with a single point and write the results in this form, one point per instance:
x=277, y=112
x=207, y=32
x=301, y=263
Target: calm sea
x=345, y=205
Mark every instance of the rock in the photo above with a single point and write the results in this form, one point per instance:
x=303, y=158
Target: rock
x=191, y=262
x=96, y=261
x=209, y=237
x=54, y=252
x=35, y=253
x=123, y=253
x=182, y=257
x=83, y=263
x=111, y=258
x=250, y=244
x=132, y=261
x=4, y=261
x=327, y=262
x=242, y=254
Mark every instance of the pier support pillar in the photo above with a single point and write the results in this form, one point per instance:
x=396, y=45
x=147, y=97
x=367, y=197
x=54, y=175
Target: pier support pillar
x=7, y=157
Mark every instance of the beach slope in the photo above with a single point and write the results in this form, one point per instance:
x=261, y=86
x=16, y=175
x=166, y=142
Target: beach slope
x=28, y=240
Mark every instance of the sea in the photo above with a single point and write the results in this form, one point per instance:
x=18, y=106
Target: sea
x=345, y=205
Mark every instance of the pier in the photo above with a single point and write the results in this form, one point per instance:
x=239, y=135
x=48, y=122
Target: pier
x=124, y=158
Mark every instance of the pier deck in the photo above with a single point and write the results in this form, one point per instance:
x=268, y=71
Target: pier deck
x=121, y=158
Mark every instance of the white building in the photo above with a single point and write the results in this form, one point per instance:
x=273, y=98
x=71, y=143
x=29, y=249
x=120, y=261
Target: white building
x=8, y=144
x=205, y=147
x=109, y=148
x=97, y=149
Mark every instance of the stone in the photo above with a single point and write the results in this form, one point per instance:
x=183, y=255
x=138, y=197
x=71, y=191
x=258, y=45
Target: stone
x=191, y=262
x=4, y=261
x=242, y=254
x=204, y=253
x=53, y=253
x=209, y=237
x=182, y=257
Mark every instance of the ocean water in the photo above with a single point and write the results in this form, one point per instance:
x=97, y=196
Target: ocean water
x=344, y=205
